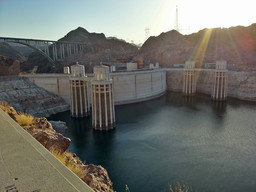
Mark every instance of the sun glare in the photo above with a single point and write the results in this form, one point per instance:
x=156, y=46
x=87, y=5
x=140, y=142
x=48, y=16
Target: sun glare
x=199, y=14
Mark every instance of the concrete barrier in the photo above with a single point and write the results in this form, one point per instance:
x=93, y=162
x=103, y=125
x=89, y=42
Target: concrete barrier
x=25, y=165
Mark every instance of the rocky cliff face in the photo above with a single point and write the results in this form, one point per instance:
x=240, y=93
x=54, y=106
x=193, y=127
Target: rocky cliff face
x=236, y=45
x=25, y=96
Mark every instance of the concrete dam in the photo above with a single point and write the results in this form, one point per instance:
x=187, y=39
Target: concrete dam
x=104, y=89
x=140, y=85
x=129, y=87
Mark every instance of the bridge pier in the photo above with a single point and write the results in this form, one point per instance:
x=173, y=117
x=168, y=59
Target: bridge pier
x=76, y=48
x=189, y=80
x=69, y=50
x=219, y=91
x=46, y=48
x=62, y=52
x=37, y=44
x=55, y=55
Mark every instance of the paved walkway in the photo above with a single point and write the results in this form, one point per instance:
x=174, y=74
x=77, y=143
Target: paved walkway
x=26, y=166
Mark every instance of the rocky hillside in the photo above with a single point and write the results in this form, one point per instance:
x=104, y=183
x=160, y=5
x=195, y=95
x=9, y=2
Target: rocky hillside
x=28, y=58
x=237, y=45
x=10, y=52
x=43, y=64
x=98, y=43
x=99, y=49
x=25, y=96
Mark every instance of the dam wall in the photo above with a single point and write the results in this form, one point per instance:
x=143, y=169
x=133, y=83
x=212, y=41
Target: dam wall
x=55, y=83
x=129, y=87
x=137, y=86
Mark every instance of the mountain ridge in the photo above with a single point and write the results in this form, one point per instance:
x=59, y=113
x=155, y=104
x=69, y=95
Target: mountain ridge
x=235, y=44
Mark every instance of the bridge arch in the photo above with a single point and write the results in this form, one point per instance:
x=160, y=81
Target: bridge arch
x=32, y=47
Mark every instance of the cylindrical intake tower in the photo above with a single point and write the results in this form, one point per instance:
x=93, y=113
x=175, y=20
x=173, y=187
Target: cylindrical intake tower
x=219, y=91
x=103, y=109
x=189, y=79
x=79, y=100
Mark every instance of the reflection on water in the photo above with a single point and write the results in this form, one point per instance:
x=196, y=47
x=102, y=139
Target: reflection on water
x=209, y=145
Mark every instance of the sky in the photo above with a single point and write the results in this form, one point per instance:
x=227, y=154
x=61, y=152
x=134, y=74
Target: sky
x=124, y=19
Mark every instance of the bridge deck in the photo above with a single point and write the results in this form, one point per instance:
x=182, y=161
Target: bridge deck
x=25, y=165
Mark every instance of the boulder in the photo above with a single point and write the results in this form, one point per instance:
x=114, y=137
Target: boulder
x=97, y=178
x=56, y=142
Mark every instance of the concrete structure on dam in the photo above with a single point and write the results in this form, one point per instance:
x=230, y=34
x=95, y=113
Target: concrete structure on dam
x=219, y=91
x=138, y=85
x=189, y=79
x=79, y=92
x=129, y=87
x=103, y=109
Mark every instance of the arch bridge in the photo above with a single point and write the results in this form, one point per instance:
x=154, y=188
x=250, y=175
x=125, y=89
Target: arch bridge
x=52, y=50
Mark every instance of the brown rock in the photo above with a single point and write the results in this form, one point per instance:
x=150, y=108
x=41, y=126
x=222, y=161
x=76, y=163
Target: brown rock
x=52, y=141
x=42, y=123
x=97, y=178
x=12, y=113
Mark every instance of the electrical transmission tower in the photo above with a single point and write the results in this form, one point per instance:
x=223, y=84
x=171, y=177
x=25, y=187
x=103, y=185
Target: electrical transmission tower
x=177, y=20
x=184, y=30
x=147, y=33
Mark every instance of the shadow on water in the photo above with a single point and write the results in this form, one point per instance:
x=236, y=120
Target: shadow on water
x=128, y=114
x=219, y=107
x=179, y=100
x=79, y=129
x=106, y=139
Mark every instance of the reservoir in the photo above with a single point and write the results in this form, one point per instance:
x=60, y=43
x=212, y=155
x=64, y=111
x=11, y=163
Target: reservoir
x=209, y=146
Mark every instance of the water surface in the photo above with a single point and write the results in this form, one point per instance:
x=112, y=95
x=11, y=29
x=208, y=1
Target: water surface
x=209, y=146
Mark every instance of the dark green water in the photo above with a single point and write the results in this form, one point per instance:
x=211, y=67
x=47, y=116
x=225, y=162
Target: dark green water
x=209, y=146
